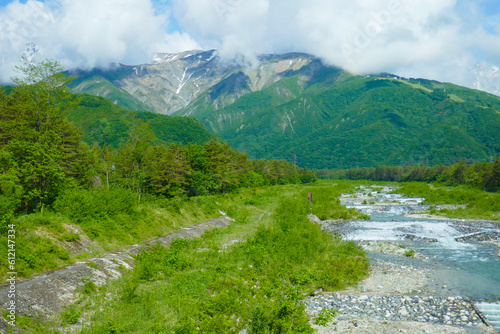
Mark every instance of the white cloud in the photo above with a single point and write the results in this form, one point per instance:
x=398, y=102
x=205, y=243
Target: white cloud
x=86, y=33
x=361, y=36
x=430, y=37
x=232, y=26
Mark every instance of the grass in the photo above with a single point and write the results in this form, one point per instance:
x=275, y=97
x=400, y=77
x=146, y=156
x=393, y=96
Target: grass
x=410, y=253
x=255, y=284
x=250, y=275
x=456, y=98
x=479, y=204
x=41, y=238
x=326, y=203
x=416, y=86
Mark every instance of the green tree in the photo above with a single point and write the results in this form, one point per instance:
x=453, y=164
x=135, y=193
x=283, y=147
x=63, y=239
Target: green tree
x=200, y=182
x=459, y=172
x=44, y=145
x=10, y=190
x=492, y=177
x=170, y=170
x=132, y=157
x=103, y=161
x=226, y=166
x=38, y=100
x=40, y=170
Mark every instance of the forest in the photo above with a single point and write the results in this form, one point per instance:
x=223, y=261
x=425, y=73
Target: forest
x=43, y=157
x=480, y=175
x=70, y=178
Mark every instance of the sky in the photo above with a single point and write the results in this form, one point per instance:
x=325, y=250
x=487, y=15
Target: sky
x=434, y=39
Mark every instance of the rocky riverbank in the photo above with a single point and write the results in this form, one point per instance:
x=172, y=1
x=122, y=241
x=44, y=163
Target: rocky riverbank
x=398, y=298
x=405, y=292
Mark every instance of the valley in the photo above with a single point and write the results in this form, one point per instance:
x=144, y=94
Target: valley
x=404, y=272
x=92, y=192
x=295, y=107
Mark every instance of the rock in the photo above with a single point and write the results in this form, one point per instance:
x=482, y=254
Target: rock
x=413, y=237
x=480, y=236
x=314, y=219
x=403, y=312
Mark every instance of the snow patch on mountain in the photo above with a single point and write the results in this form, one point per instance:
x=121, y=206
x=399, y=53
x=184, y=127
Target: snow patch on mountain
x=202, y=55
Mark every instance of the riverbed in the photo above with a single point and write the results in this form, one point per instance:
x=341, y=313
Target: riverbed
x=429, y=274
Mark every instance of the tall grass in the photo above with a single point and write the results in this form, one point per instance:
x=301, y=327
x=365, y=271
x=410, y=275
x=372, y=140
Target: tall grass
x=111, y=218
x=326, y=203
x=257, y=284
x=479, y=204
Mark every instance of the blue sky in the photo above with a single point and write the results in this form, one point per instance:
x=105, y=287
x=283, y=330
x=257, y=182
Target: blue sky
x=436, y=39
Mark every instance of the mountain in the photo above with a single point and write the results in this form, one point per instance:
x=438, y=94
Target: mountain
x=104, y=122
x=295, y=107
x=173, y=81
x=166, y=86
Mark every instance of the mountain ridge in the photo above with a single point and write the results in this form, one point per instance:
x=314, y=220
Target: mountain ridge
x=293, y=105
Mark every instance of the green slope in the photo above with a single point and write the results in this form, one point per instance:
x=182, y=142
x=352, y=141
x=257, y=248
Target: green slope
x=339, y=120
x=106, y=123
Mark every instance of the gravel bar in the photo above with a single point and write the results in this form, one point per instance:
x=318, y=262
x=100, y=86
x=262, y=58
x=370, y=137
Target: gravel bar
x=400, y=295
x=449, y=311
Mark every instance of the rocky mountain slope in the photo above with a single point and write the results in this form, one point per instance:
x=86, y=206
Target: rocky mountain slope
x=295, y=107
x=173, y=81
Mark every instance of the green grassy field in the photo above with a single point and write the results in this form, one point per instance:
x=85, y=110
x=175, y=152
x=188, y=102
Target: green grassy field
x=250, y=275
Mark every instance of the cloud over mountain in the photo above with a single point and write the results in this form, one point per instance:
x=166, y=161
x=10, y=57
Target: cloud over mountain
x=86, y=33
x=439, y=39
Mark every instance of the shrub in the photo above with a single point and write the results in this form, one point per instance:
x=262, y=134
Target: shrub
x=84, y=204
x=71, y=315
x=69, y=237
x=410, y=253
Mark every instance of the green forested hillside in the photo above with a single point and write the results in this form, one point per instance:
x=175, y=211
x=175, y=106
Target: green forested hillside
x=50, y=176
x=295, y=107
x=343, y=121
x=103, y=122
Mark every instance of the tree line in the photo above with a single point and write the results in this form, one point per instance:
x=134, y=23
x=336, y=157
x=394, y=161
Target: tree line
x=483, y=175
x=42, y=154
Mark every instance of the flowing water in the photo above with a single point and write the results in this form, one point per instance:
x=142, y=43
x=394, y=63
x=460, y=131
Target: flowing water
x=467, y=268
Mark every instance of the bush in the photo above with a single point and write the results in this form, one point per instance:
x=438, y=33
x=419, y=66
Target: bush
x=410, y=253
x=69, y=237
x=84, y=204
x=71, y=315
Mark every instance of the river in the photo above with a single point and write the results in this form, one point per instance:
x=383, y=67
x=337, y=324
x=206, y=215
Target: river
x=463, y=254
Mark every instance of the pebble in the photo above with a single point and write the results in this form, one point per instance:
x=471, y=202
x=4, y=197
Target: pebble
x=453, y=310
